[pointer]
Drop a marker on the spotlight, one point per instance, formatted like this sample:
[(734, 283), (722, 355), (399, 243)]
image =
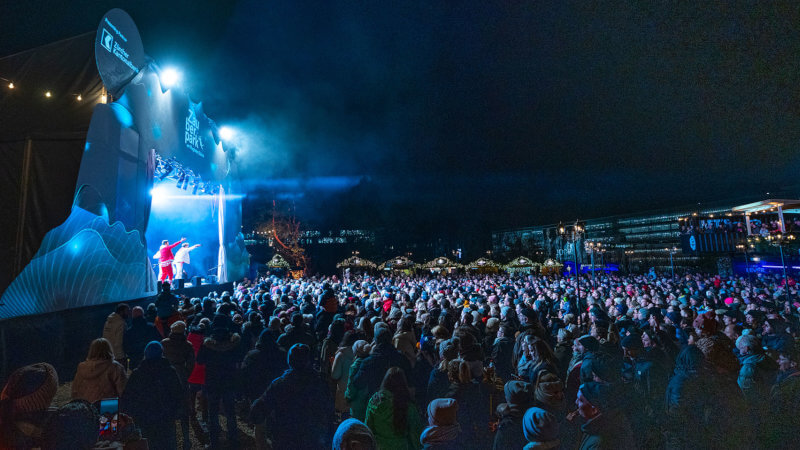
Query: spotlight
[(104, 98), (170, 77), (226, 133), (80, 98), (11, 85), (48, 94)]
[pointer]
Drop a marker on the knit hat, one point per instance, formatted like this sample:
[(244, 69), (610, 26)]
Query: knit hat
[(632, 341), (448, 350), (361, 348), (589, 342), (30, 388), (299, 356), (492, 325), (178, 327), (518, 392), (443, 412), (596, 393), (549, 390), (153, 350), (674, 317), (353, 433), (645, 313), (540, 426), (383, 335), (529, 315)]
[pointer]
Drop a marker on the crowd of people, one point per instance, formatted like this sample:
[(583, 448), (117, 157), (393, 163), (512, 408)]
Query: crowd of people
[(437, 362), (759, 225)]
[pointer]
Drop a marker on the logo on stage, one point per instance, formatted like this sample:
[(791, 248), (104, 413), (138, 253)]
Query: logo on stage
[(107, 40), (692, 243), (192, 134)]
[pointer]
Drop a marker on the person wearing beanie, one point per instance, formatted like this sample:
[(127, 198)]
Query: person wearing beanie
[(299, 334), (755, 376), (540, 429), (383, 356), (155, 398), (438, 381), (774, 337), (327, 307), (529, 326), (353, 434), (297, 406), (357, 398), (604, 427), (24, 405), (179, 352), (785, 399), (137, 336), (220, 353), (519, 397), (99, 376), (443, 431)]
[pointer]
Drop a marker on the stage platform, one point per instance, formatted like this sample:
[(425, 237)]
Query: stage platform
[(62, 338)]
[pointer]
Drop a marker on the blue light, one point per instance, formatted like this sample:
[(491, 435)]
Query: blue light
[(169, 77), (123, 115), (87, 147)]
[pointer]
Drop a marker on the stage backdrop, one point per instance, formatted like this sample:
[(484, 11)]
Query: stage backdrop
[(100, 253)]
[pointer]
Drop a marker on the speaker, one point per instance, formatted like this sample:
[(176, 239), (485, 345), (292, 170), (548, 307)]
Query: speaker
[(212, 279), (178, 283), (197, 281)]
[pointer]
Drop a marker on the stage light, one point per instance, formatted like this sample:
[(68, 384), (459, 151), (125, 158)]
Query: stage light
[(11, 85), (48, 94), (226, 133), (104, 98), (170, 77), (80, 98)]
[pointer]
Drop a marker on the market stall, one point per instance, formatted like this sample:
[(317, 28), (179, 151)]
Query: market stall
[(440, 265), (483, 265), (521, 265)]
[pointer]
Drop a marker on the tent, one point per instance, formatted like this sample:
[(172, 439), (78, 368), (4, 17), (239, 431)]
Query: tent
[(441, 264), (398, 264), (520, 265), (551, 267), (483, 265), (356, 262)]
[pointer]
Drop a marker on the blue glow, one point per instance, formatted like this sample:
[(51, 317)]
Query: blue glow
[(156, 132), (169, 77), (123, 115), (87, 147)]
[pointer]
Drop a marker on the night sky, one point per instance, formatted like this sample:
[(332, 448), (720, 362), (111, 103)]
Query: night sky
[(445, 118)]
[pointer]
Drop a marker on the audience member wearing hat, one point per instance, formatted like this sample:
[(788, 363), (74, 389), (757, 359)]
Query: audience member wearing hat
[(443, 431), (540, 429), (24, 403), (298, 405), (605, 426), (154, 398), (519, 397), (353, 434)]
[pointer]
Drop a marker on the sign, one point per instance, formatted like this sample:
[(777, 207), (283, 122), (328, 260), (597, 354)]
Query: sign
[(692, 243), (118, 50)]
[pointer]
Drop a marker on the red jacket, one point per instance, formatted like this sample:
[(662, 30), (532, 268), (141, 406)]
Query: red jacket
[(165, 255), (198, 375)]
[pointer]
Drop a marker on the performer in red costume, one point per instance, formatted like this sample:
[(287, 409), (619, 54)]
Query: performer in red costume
[(165, 258)]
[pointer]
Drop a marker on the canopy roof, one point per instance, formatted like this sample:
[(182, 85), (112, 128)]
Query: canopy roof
[(481, 263), (440, 263), (399, 262), (551, 263), (521, 262), (277, 262), (788, 206), (355, 261)]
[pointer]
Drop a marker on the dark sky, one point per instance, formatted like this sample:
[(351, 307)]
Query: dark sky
[(445, 117)]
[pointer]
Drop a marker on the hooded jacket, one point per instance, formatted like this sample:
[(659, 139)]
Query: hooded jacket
[(97, 379), (220, 354), (114, 332), (262, 365), (180, 353)]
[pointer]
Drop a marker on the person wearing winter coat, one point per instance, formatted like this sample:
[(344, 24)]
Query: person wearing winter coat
[(785, 399), (220, 355), (540, 429), (473, 403), (297, 335), (439, 381), (328, 351), (251, 330), (114, 331), (154, 398), (605, 427), (99, 376), (404, 339), (297, 405), (755, 377), (137, 337), (686, 397), (353, 434), (340, 371), (356, 397), (391, 414), (519, 397), (383, 356), (266, 362), (443, 431), (197, 379), (179, 352), (502, 353)]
